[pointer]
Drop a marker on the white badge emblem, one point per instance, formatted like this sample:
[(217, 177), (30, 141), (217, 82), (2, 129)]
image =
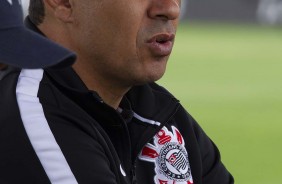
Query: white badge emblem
[(170, 158)]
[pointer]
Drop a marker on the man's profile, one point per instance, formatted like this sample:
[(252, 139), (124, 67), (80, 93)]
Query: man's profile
[(104, 120)]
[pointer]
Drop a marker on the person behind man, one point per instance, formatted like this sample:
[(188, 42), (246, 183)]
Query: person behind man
[(104, 120), (20, 47)]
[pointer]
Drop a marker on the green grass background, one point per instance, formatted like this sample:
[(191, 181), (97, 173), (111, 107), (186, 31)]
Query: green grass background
[(229, 77)]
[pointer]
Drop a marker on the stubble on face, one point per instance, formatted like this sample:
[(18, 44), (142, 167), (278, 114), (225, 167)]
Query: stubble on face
[(111, 36)]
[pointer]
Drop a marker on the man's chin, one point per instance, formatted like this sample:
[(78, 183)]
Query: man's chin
[(149, 79)]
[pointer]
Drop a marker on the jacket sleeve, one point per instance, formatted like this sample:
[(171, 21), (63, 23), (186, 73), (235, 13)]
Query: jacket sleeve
[(205, 156), (213, 170)]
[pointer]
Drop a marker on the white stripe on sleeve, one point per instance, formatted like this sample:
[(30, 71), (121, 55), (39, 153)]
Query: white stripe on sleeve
[(38, 130)]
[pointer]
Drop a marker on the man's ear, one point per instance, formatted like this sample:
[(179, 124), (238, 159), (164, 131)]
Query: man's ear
[(62, 9)]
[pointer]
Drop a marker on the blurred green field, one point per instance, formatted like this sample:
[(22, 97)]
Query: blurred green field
[(229, 78)]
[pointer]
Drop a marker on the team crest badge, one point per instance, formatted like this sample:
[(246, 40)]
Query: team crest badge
[(170, 157)]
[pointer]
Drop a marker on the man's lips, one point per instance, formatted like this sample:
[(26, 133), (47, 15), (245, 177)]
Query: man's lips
[(161, 44)]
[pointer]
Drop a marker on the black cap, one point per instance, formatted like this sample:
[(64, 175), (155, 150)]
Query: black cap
[(23, 48)]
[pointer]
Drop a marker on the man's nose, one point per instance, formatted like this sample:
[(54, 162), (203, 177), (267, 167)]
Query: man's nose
[(164, 9)]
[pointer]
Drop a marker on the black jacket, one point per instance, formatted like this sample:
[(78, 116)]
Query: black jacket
[(54, 130)]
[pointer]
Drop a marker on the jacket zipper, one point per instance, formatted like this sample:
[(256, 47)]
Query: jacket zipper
[(134, 179)]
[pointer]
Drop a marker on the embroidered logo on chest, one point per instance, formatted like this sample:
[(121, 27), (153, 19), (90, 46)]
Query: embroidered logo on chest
[(170, 157)]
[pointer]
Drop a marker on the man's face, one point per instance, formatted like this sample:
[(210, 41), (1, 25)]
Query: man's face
[(128, 41)]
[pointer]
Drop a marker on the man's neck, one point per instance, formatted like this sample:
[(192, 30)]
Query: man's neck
[(110, 92)]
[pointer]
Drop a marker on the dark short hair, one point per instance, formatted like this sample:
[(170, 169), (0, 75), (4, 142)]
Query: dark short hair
[(36, 11)]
